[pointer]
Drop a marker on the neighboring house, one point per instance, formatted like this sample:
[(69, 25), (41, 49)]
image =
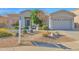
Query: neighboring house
[(8, 20), (12, 19), (63, 20), (76, 19), (3, 21)]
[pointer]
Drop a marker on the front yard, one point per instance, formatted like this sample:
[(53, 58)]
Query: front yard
[(41, 36), (28, 39)]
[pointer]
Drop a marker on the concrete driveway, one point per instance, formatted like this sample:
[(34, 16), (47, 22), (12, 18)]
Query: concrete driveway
[(71, 34), (74, 34)]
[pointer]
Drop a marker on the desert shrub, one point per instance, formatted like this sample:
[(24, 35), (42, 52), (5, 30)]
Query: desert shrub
[(4, 32), (3, 29), (45, 34), (16, 27), (25, 29), (16, 24), (44, 27)]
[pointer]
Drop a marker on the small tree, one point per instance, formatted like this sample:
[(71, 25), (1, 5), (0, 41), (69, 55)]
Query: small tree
[(35, 19)]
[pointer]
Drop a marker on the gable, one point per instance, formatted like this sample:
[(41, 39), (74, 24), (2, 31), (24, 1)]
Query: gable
[(26, 13), (63, 13), (41, 14)]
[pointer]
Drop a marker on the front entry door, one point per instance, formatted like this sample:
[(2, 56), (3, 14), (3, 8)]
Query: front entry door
[(27, 21)]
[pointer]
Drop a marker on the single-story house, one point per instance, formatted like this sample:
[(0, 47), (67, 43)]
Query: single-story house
[(60, 20), (8, 20)]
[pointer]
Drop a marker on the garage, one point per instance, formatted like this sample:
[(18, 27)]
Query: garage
[(61, 20), (61, 24)]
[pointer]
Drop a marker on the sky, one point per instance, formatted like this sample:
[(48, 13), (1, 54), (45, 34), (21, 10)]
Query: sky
[(4, 11)]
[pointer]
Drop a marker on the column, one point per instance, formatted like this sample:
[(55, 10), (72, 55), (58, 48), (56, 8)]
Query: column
[(49, 22), (19, 30)]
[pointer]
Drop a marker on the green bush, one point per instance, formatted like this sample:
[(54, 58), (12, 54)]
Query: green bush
[(16, 27), (25, 29), (44, 27), (45, 34), (5, 34)]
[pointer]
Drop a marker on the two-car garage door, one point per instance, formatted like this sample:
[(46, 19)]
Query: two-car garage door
[(64, 24)]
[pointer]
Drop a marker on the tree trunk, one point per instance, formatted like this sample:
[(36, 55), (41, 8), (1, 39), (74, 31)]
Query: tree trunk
[(30, 28)]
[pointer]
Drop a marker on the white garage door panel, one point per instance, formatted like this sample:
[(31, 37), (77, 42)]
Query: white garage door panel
[(61, 25)]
